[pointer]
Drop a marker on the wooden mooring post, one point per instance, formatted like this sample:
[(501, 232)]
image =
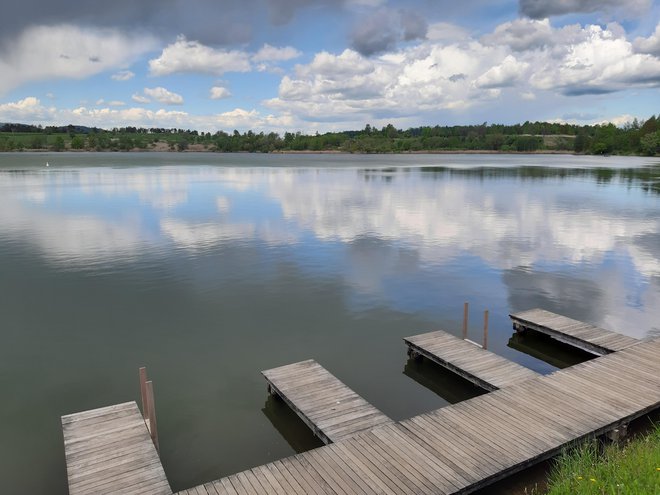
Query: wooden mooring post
[(148, 405), (143, 392), (485, 344)]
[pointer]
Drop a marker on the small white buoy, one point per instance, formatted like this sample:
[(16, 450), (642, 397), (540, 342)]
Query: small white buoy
[(47, 164)]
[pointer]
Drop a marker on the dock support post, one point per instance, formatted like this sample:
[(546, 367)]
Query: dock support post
[(618, 434), (143, 392), (148, 405), (465, 320), (153, 429), (485, 345), (413, 354)]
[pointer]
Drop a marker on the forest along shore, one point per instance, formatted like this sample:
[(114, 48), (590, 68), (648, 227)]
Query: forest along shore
[(635, 138)]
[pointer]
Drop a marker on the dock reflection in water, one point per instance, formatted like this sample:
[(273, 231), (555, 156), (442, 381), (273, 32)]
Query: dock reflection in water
[(441, 381), (547, 349), (289, 425)]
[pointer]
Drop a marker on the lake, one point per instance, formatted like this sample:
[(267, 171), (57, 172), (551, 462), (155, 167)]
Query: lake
[(208, 268)]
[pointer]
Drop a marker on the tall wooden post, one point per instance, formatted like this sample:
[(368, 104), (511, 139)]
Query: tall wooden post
[(143, 392), (153, 429), (485, 345), (465, 320)]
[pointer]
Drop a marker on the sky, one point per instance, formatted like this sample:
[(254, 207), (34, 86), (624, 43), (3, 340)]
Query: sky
[(323, 65)]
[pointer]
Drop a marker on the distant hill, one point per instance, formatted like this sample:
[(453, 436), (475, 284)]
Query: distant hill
[(16, 127)]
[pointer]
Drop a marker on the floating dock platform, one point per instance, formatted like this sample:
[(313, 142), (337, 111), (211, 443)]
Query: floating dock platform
[(468, 360), (331, 409), (467, 446), (585, 336), (109, 450), (459, 448)]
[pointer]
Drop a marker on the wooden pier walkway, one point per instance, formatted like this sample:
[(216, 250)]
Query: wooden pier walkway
[(467, 446), (331, 409), (109, 450), (585, 336), (479, 366)]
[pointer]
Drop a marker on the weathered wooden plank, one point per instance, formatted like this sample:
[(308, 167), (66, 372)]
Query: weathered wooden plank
[(227, 486), (357, 447), (331, 409), (109, 450), (104, 412), (405, 471), (304, 478), (469, 445), (582, 335), (290, 485), (366, 469), (327, 472), (481, 367), (400, 437), (449, 456)]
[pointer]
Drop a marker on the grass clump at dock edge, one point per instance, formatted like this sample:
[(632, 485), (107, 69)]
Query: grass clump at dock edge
[(632, 468)]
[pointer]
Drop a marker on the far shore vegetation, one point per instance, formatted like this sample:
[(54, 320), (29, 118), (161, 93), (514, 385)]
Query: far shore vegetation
[(635, 138)]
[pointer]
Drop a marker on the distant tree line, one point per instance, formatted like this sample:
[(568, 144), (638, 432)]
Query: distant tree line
[(635, 138)]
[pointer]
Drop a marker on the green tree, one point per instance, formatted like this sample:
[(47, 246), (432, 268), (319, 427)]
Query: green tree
[(78, 143), (37, 142), (126, 142), (581, 143), (650, 126), (390, 131), (528, 143), (650, 143), (58, 144), (494, 141)]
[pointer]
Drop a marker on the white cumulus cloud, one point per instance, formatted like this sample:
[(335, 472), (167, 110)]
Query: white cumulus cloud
[(27, 109), (192, 56), (138, 98), (596, 60), (442, 75), (268, 53), (502, 75), (522, 34), (164, 96), (31, 109), (650, 45), (219, 92), (111, 103), (238, 118)]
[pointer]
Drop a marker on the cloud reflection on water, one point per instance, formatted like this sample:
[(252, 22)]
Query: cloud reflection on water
[(563, 236)]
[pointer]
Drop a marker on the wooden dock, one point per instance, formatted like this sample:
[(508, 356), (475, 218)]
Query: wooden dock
[(479, 366), (331, 409), (585, 336), (467, 446), (109, 450)]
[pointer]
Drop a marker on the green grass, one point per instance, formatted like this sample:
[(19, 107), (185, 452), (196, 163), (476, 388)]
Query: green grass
[(631, 469), (26, 138)]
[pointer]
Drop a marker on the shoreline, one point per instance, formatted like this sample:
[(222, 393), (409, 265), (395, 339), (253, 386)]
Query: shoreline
[(426, 152), (194, 149), (317, 152)]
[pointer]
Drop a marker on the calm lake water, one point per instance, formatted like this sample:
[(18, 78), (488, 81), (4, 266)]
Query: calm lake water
[(209, 268)]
